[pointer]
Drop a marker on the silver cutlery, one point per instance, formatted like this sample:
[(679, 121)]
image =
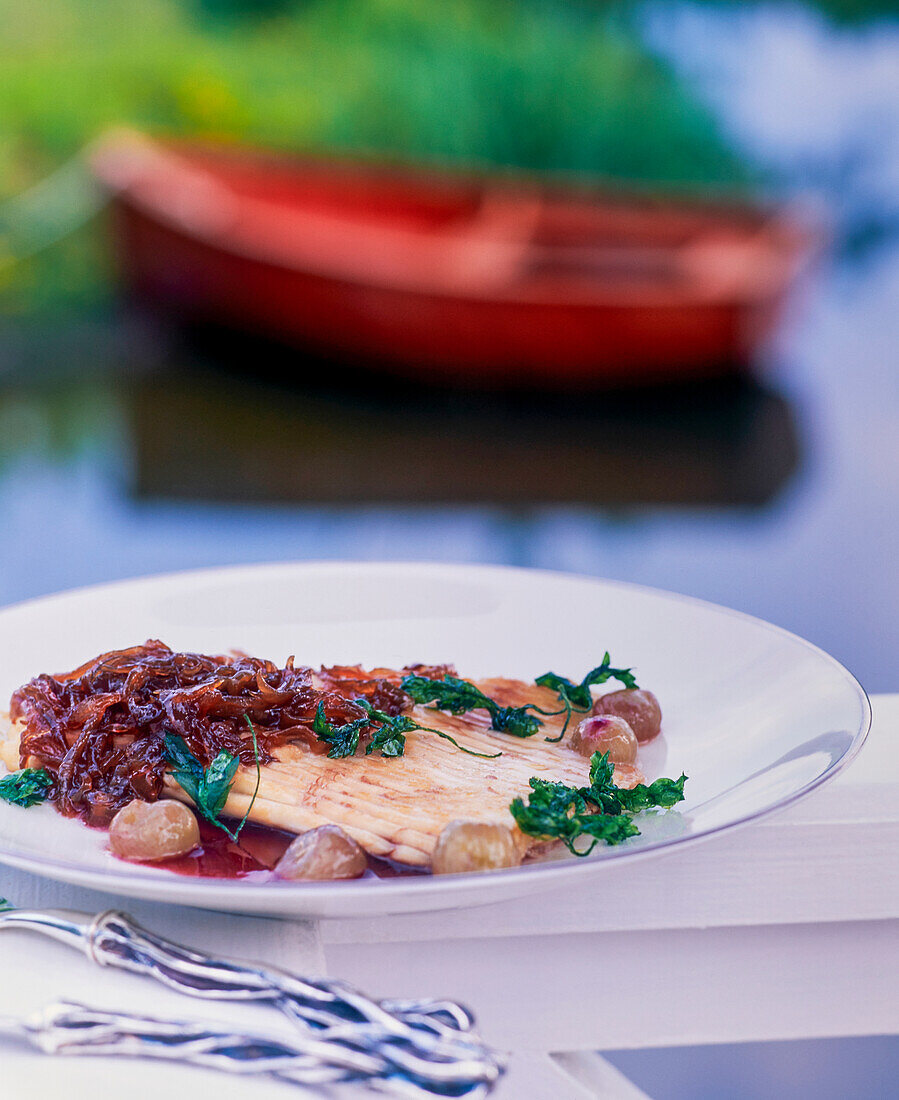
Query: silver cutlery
[(408, 1048)]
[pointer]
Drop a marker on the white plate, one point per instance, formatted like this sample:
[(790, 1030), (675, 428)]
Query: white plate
[(755, 716)]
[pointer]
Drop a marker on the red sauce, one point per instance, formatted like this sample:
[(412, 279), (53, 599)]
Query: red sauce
[(255, 855)]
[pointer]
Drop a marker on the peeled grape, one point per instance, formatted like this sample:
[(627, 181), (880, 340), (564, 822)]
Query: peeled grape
[(639, 708), (474, 846), (606, 733), (150, 831), (322, 854)]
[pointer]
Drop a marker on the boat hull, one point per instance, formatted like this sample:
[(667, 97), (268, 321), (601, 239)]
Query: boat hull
[(490, 331)]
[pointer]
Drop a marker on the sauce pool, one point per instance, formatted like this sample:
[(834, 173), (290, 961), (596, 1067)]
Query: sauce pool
[(254, 856)]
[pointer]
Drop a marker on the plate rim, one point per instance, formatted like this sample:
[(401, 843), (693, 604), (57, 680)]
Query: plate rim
[(199, 891)]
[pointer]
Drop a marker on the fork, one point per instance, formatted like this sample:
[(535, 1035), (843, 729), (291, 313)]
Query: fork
[(409, 1047)]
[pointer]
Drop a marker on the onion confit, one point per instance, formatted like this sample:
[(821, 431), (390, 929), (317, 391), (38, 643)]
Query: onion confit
[(99, 730)]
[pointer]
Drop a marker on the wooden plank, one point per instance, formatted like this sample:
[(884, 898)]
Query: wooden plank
[(574, 1076), (537, 1076), (605, 1081), (616, 990)]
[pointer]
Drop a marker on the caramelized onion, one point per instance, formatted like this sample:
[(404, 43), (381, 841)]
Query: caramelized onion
[(100, 729)]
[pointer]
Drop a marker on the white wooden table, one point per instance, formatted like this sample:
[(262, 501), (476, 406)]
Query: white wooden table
[(781, 930)]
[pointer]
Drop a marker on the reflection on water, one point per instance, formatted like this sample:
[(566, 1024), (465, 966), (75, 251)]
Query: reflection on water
[(310, 432), (205, 422)]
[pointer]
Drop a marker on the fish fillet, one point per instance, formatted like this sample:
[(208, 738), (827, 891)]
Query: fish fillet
[(396, 807)]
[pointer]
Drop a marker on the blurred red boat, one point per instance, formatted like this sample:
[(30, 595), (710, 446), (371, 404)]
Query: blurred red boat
[(483, 280)]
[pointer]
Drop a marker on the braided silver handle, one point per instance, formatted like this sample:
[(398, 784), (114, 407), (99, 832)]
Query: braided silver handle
[(426, 1046), (68, 1028)]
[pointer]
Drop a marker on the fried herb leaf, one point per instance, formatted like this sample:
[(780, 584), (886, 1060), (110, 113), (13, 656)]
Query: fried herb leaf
[(611, 829), (458, 696), (577, 696), (389, 738), (344, 740), (515, 720), (549, 810), (601, 811), (450, 694), (663, 793), (208, 788), (178, 754), (188, 771), (27, 787), (560, 812), (602, 791), (218, 780), (243, 820)]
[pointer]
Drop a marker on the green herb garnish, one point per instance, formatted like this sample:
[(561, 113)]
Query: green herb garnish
[(243, 820), (388, 738), (559, 812), (344, 740), (663, 794), (209, 788), (458, 696), (577, 696), (27, 787)]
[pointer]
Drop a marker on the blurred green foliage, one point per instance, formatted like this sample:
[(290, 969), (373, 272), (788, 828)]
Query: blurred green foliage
[(554, 85), (537, 84), (549, 85)]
